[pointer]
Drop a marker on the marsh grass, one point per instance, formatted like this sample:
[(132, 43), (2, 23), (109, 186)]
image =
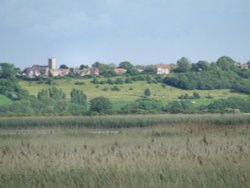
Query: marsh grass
[(125, 121), (170, 155)]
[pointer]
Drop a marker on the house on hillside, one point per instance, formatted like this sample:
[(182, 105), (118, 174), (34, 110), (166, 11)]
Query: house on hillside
[(86, 71), (36, 71), (94, 71), (59, 72), (162, 69), (120, 71), (245, 65), (139, 68)]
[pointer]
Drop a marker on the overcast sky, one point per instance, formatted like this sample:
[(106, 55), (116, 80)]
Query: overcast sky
[(110, 31)]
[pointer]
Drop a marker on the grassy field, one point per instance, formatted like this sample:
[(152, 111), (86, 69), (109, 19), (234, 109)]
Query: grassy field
[(4, 100), (129, 92), (167, 155)]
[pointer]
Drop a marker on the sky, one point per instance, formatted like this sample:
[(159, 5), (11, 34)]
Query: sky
[(111, 31)]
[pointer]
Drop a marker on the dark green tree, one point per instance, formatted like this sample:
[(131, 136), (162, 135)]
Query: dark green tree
[(84, 67), (105, 70), (129, 67), (126, 65), (147, 92), (119, 81), (8, 82), (8, 71), (226, 63), (100, 105), (196, 95), (53, 93), (183, 65), (78, 97), (201, 66), (150, 69), (63, 67)]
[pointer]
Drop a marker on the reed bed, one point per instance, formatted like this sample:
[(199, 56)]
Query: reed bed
[(125, 121), (171, 155)]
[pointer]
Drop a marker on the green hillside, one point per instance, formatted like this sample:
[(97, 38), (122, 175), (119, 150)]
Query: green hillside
[(4, 100), (128, 92)]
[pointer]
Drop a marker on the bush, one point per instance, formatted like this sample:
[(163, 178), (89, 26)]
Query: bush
[(144, 105), (115, 88), (79, 83), (186, 96), (100, 105), (147, 92), (180, 107), (119, 81), (128, 81), (242, 86), (233, 103), (53, 92)]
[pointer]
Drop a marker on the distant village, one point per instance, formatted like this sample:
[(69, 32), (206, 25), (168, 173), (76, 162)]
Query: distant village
[(51, 70)]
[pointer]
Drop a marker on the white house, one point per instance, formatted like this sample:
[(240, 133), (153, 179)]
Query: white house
[(162, 69)]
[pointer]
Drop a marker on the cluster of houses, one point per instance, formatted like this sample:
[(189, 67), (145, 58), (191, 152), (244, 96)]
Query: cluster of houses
[(51, 70), (245, 65)]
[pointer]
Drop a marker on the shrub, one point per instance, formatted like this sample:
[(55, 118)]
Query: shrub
[(119, 81), (115, 88), (147, 92), (79, 83), (180, 107), (100, 105), (144, 105), (78, 97), (233, 103)]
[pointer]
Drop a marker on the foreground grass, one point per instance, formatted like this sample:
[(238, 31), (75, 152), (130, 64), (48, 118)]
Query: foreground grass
[(168, 155)]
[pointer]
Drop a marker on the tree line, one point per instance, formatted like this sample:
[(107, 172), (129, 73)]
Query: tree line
[(225, 73), (52, 101)]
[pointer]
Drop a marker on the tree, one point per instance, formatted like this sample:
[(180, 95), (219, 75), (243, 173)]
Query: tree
[(96, 65), (180, 107), (63, 67), (144, 104), (183, 65), (196, 95), (150, 69), (84, 67), (78, 97), (119, 81), (128, 66), (147, 92), (105, 70), (226, 63), (8, 71), (100, 105), (53, 93), (8, 82), (201, 66)]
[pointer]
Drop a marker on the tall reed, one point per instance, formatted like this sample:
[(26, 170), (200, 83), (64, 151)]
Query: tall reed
[(125, 121)]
